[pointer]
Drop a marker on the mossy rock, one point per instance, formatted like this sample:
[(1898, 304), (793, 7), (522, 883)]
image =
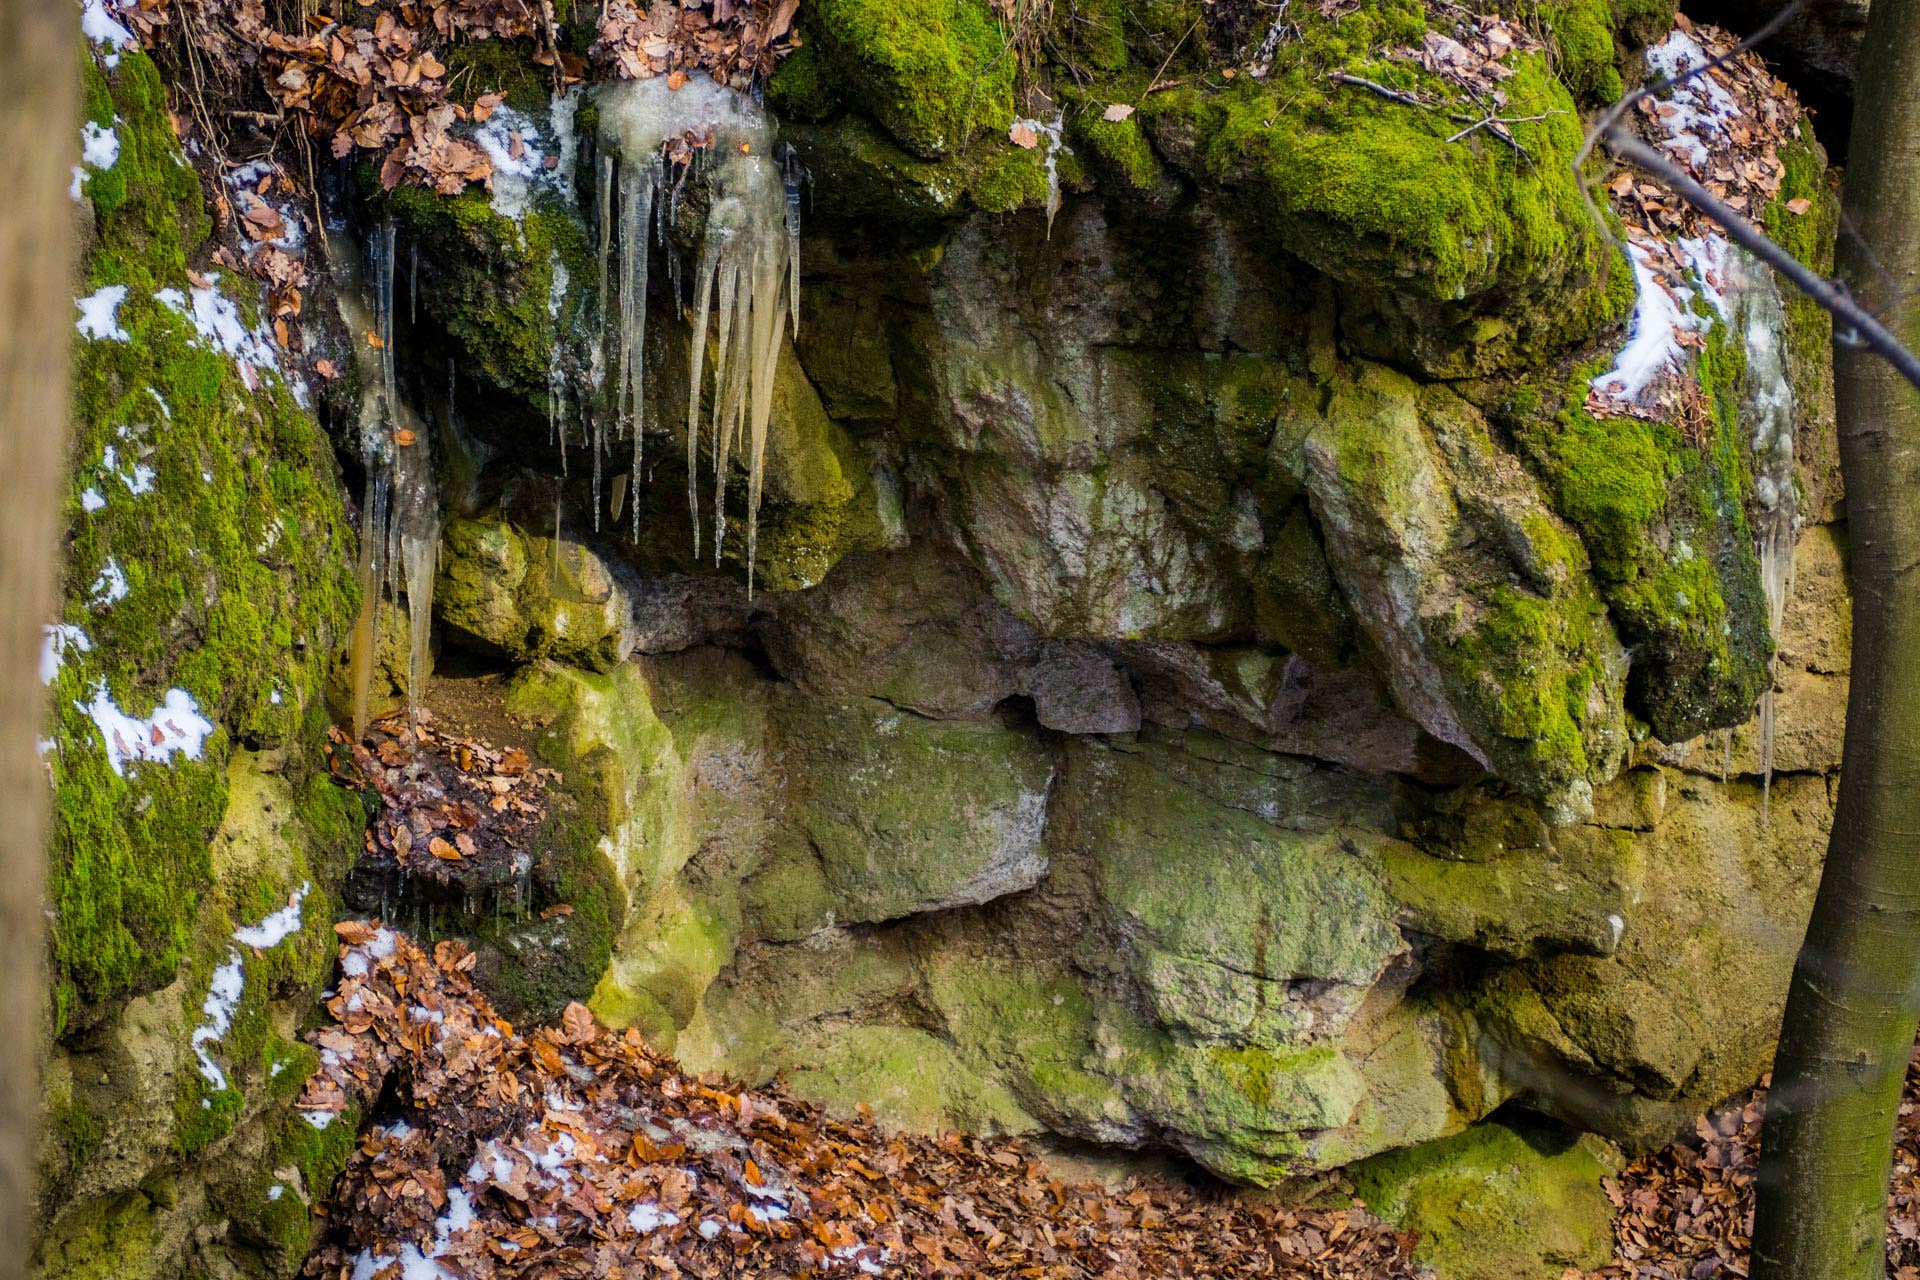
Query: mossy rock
[(526, 597), (1663, 522), (932, 71), (1226, 912), (1517, 1200), (207, 551), (1463, 257), (908, 814)]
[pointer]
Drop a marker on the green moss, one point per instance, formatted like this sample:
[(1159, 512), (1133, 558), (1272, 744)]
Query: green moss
[(488, 279), (1585, 59), (1543, 709), (802, 88), (1664, 523), (236, 558), (931, 71), (1496, 1202)]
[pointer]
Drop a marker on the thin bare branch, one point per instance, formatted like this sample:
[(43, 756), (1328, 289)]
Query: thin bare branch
[(1855, 324), (1496, 125)]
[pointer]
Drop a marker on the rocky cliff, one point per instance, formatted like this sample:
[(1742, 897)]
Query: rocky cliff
[(1227, 671)]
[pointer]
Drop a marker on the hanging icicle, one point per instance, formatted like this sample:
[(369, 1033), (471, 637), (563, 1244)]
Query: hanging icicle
[(400, 515), (747, 273)]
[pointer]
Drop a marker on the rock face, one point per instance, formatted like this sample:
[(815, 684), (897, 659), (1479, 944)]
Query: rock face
[(1241, 699), (1212, 683), (197, 847)]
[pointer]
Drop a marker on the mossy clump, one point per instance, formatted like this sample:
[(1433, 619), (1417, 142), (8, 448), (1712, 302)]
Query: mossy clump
[(1496, 1202), (207, 551), (489, 280), (932, 72), (1663, 521), (1450, 233)]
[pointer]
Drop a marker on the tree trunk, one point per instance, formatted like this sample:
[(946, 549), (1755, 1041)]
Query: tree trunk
[(39, 100), (1827, 1145)]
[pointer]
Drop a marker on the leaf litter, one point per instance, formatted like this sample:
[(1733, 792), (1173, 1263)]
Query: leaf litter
[(1686, 1212), (574, 1151)]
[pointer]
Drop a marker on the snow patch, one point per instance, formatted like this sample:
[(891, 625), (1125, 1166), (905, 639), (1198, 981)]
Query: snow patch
[(98, 318), (110, 587), (61, 636), (98, 24), (175, 725), (276, 928), (1652, 343), (99, 145), (217, 320)]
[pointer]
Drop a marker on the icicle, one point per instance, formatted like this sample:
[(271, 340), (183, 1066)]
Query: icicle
[(413, 281), (703, 286), (790, 171), (747, 269), (639, 182), (1055, 145), (365, 625)]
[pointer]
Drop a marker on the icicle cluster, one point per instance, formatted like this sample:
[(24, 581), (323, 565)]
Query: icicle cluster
[(746, 281), (400, 513)]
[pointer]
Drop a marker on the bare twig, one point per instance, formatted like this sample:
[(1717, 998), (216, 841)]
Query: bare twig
[(1164, 62), (1391, 95), (1496, 125), (1856, 326)]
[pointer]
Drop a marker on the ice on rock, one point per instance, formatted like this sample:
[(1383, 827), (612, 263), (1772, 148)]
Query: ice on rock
[(745, 282), (1653, 345)]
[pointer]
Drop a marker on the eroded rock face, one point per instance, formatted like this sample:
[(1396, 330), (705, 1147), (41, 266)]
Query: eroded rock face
[(1205, 688), (1228, 740)]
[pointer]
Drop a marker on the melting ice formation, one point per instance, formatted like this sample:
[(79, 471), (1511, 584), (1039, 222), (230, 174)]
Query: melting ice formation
[(1741, 292), (229, 981), (746, 280)]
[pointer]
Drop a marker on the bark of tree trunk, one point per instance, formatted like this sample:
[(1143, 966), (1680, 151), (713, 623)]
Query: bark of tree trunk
[(39, 100), (1827, 1143)]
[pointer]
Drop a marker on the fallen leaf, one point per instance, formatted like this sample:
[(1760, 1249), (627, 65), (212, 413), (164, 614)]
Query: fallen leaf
[(1112, 115), (1022, 135)]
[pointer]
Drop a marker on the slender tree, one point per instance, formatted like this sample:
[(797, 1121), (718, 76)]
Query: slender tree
[(39, 101), (1827, 1145)]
